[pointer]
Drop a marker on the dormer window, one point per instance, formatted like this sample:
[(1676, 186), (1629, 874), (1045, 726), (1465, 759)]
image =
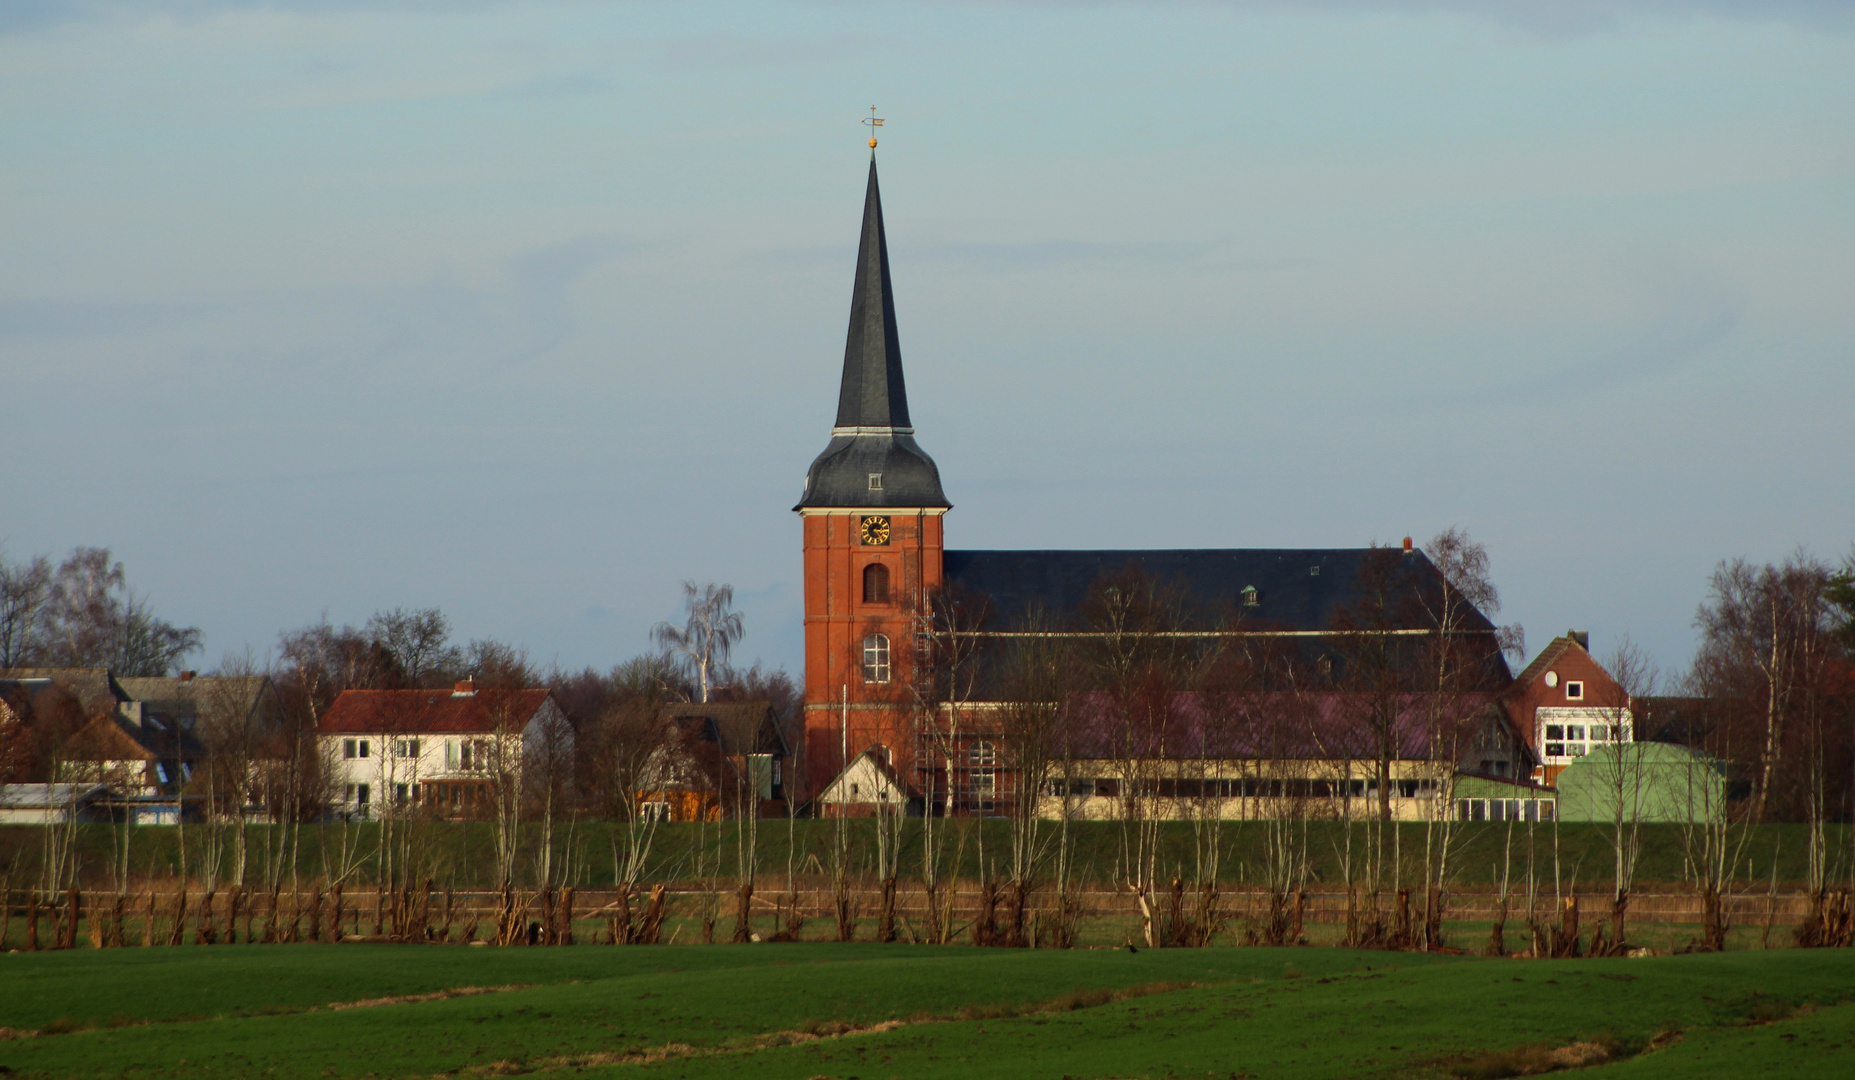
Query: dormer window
[(875, 481), (1313, 571), (1249, 596)]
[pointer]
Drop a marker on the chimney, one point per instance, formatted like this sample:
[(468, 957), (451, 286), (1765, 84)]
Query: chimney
[(186, 676), (1407, 543), (1582, 637), (464, 688)]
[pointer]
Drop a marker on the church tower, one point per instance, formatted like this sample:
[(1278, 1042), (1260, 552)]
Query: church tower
[(872, 535)]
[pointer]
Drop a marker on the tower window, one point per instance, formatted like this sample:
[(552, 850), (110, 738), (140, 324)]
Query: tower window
[(875, 481), (876, 658), (875, 584)]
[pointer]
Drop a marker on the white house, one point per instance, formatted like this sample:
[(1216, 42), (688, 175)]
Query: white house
[(867, 783), (449, 751)]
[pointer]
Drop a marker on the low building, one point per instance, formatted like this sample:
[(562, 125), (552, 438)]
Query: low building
[(1500, 798), (1269, 756), (448, 752), (1643, 782), (53, 804), (867, 785), (719, 759)]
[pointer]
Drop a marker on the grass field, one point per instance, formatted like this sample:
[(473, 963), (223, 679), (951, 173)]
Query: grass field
[(873, 1012)]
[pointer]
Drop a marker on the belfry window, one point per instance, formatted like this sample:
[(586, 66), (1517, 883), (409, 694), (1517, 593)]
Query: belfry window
[(875, 584), (1249, 596), (875, 481), (876, 658)]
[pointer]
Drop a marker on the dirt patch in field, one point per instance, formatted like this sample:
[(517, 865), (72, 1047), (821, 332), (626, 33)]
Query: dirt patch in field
[(435, 995), (820, 1031)]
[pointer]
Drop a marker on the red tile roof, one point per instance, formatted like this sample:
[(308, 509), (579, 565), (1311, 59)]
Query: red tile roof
[(431, 711)]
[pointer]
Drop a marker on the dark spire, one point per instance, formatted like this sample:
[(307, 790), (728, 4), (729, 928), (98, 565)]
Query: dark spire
[(872, 395), (872, 460)]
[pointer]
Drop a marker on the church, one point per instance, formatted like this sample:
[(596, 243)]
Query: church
[(878, 572)]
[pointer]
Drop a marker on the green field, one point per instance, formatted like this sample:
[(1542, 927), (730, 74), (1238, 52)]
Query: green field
[(873, 1012)]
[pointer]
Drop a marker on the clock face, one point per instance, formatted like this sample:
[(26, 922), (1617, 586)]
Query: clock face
[(875, 529)]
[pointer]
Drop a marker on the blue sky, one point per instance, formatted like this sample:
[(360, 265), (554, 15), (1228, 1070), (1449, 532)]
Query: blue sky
[(530, 310)]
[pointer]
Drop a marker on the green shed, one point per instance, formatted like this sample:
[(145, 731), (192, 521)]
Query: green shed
[(1646, 781)]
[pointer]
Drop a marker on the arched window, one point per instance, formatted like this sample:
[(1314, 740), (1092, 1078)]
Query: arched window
[(876, 659), (875, 584), (982, 753)]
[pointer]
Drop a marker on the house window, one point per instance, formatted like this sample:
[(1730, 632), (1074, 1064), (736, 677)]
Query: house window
[(875, 584), (362, 794), (875, 481), (1600, 732), (982, 783), (1555, 731), (406, 748), (982, 753), (1574, 691), (876, 659), (1249, 596), (348, 749), (399, 793), (364, 748)]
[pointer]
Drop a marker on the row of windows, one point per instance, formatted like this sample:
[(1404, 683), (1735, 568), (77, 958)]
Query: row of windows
[(465, 754), (1111, 788), (1505, 809)]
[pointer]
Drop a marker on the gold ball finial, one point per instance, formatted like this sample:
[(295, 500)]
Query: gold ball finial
[(873, 122), (872, 144)]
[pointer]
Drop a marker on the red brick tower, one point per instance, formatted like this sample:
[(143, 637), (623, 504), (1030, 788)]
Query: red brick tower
[(872, 522)]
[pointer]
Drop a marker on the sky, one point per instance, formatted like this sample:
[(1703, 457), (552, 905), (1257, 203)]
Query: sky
[(530, 311)]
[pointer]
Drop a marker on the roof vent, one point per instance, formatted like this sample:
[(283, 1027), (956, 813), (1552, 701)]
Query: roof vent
[(1249, 596), (1582, 637), (464, 688)]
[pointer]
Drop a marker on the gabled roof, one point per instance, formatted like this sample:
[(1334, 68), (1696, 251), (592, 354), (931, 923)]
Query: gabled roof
[(872, 459), (104, 739), (431, 712), (1329, 725), (736, 727), (188, 696), (1297, 589), (1547, 657), (873, 761), (94, 687)]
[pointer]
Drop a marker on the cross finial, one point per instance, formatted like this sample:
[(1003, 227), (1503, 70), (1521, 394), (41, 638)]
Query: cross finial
[(874, 122)]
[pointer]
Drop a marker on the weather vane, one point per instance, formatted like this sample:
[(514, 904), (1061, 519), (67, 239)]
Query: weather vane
[(874, 122)]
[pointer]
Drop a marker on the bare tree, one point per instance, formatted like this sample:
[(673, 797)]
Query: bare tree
[(707, 635), (1622, 781), (417, 642), (25, 600)]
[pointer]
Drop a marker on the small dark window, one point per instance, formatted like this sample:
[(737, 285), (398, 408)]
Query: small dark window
[(1555, 731), (1249, 596), (1313, 571), (1574, 691), (875, 584)]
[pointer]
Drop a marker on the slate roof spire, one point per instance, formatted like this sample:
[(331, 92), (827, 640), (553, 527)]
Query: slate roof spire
[(872, 460), (873, 394)]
